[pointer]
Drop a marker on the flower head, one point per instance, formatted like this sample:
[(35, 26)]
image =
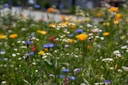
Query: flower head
[(6, 5), (3, 36), (65, 70), (113, 9), (106, 81), (70, 40), (78, 31), (41, 32), (13, 36), (106, 34), (37, 6), (48, 45), (72, 78), (82, 37), (50, 10), (41, 52)]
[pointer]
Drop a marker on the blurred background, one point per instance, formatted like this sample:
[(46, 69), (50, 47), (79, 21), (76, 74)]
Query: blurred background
[(62, 5)]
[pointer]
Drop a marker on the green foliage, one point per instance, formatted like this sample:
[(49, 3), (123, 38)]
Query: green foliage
[(51, 53)]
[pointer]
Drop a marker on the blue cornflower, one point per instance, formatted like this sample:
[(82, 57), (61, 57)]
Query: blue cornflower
[(61, 76), (19, 7), (48, 45), (71, 35), (106, 81), (31, 53), (6, 5), (78, 31), (65, 70), (37, 6), (27, 42), (32, 35), (72, 78)]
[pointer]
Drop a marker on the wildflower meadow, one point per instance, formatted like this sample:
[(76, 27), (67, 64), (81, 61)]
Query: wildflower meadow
[(88, 51)]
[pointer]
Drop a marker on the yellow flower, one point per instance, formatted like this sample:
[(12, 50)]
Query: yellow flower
[(106, 23), (70, 40), (42, 32), (99, 14), (87, 19), (116, 66), (116, 21), (3, 36), (72, 25), (52, 25), (113, 9), (41, 52), (82, 37), (45, 49), (13, 36), (106, 33), (63, 18)]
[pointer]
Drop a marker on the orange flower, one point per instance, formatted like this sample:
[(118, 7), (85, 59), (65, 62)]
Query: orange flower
[(70, 40), (63, 18), (106, 33), (82, 37), (13, 36), (118, 16), (50, 10), (89, 46), (113, 9)]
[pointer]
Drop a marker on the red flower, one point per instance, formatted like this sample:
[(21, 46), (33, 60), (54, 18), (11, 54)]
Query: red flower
[(33, 48), (51, 38)]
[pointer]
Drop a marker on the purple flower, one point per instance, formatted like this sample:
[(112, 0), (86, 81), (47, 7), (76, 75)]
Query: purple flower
[(37, 6), (48, 45), (71, 35), (78, 31), (76, 70), (106, 81), (31, 35), (65, 70), (72, 78), (19, 7), (6, 5)]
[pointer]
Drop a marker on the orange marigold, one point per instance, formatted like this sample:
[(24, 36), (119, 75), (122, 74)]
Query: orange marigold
[(50, 10), (63, 18), (106, 33), (13, 36), (82, 37), (70, 40), (113, 9), (118, 16)]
